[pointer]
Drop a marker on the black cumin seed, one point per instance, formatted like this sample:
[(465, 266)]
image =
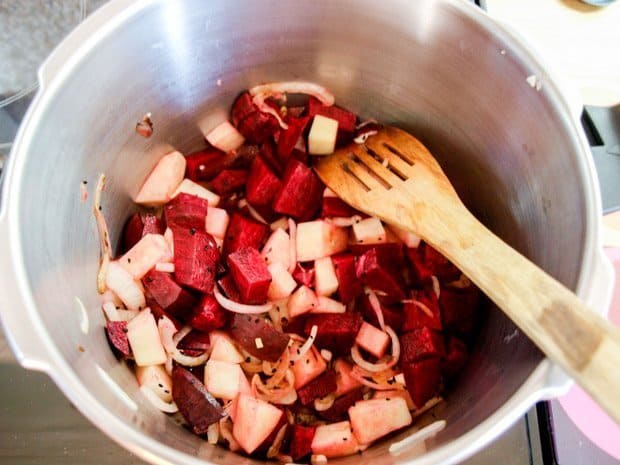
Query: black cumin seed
[(248, 360), (160, 385), (192, 231)]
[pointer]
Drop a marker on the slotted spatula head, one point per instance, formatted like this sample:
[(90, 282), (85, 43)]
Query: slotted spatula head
[(392, 176)]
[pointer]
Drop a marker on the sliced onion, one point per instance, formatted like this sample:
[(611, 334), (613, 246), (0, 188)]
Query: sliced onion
[(166, 332), (436, 286), (168, 407), (165, 267), (280, 223), (379, 366), (430, 403), (255, 365), (279, 374), (115, 314), (274, 89), (274, 449), (420, 305), (292, 232), (324, 403), (283, 394), (462, 283), (306, 345), (361, 377), (180, 334), (376, 306), (226, 433), (253, 213), (105, 248), (344, 221), (363, 137), (213, 433), (236, 307)]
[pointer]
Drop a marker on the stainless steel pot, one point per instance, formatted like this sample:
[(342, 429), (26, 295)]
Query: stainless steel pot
[(441, 69)]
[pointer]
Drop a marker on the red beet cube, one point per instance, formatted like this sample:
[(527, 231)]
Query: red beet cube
[(250, 274), (255, 125), (206, 164), (198, 407), (158, 312), (439, 265), (262, 184), (459, 307), (417, 316), (242, 107), (207, 315), (246, 329), (301, 191), (268, 152), (346, 119), (288, 138), (380, 272), (420, 344), (152, 225), (230, 289), (389, 251), (301, 440), (229, 181), (336, 331), (393, 317), (455, 359), (132, 232), (186, 211), (117, 335), (334, 207), (420, 272), (244, 232), (423, 380), (196, 259), (168, 294), (318, 387), (304, 276), (340, 407), (349, 287), (196, 341)]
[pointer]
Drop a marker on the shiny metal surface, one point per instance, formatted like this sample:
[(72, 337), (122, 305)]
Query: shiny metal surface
[(440, 69)]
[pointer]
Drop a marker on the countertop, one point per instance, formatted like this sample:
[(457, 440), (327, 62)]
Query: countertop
[(38, 424)]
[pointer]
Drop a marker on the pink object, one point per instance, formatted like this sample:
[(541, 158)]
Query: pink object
[(595, 424)]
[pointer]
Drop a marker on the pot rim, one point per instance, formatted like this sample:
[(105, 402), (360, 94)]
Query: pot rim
[(594, 285)]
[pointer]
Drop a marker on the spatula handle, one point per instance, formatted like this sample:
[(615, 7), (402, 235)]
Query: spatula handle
[(565, 329)]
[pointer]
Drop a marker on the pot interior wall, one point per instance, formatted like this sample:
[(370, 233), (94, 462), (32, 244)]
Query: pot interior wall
[(418, 65)]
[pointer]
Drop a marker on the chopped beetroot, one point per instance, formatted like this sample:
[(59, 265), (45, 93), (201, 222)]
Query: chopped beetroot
[(416, 314), (389, 251), (459, 307), (242, 108), (304, 276), (255, 125), (301, 441), (300, 155), (132, 231), (152, 224), (349, 287), (288, 138), (393, 317), (420, 344), (186, 211), (346, 119), (244, 232), (250, 273), (205, 164), (381, 273), (336, 331), (196, 258), (338, 410), (262, 184), (268, 152), (168, 294), (247, 330), (229, 181), (158, 312), (230, 289), (198, 407), (420, 272), (207, 315), (117, 335), (334, 207), (318, 387), (455, 359), (195, 341), (423, 380), (301, 191), (439, 265)]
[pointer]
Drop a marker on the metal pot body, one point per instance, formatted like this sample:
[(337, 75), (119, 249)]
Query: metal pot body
[(440, 69)]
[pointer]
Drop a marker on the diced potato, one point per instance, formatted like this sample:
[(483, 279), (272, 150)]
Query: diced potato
[(334, 440), (143, 256), (163, 180), (327, 305), (223, 349), (156, 378), (325, 280), (369, 231), (144, 340), (410, 239), (255, 419), (302, 301), (318, 239), (372, 340), (225, 380), (322, 136), (374, 418), (277, 249), (224, 136), (122, 283), (282, 283), (217, 221)]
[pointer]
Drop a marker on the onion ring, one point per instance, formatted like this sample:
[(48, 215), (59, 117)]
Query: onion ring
[(237, 307)]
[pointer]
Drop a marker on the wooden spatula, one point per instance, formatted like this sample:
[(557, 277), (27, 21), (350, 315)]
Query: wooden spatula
[(394, 177)]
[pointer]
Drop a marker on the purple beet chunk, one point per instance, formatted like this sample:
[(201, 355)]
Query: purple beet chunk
[(206, 164), (196, 258), (340, 407), (262, 184), (152, 225), (244, 232), (301, 440), (304, 276), (393, 317), (117, 335), (245, 329), (417, 317), (349, 287), (230, 289), (250, 273), (207, 315), (198, 407), (186, 211), (132, 232), (318, 387), (168, 294), (423, 379), (334, 207), (195, 341), (455, 359), (420, 344), (459, 307), (336, 331), (229, 181), (378, 272), (301, 191)]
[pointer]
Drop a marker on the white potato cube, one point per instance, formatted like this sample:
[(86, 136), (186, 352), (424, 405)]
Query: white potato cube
[(322, 136), (217, 221), (282, 283), (277, 249), (325, 280), (224, 137), (163, 180), (369, 231), (144, 340), (318, 239)]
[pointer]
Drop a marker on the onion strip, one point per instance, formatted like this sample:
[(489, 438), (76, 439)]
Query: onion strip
[(158, 403), (166, 332), (306, 345), (226, 433), (324, 403), (237, 307), (378, 386), (274, 449), (380, 366), (436, 286), (294, 87), (105, 248), (213, 433), (292, 232), (376, 306)]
